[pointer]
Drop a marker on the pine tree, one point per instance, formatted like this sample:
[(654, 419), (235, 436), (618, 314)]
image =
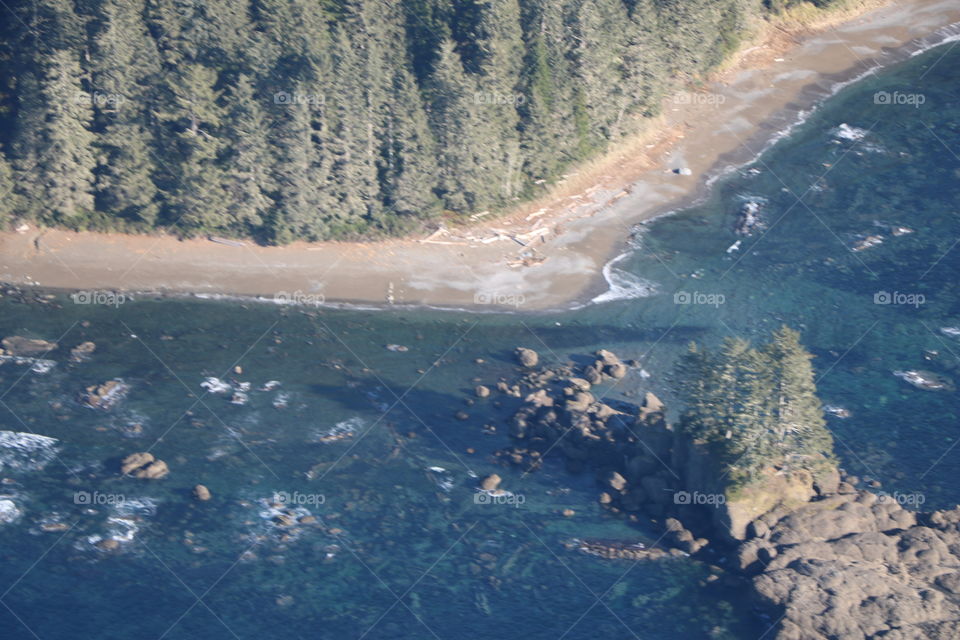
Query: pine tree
[(464, 144), (409, 165), (9, 198), (246, 174), (301, 175), (53, 144), (198, 202), (123, 55), (798, 426), (759, 406)]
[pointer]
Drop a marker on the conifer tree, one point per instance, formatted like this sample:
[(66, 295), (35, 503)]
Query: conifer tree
[(759, 406), (122, 61), (53, 144)]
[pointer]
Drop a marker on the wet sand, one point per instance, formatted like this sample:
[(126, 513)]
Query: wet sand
[(548, 254)]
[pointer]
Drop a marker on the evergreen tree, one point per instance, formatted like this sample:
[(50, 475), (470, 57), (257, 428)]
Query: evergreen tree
[(759, 406), (122, 57), (798, 424), (409, 165), (246, 175), (464, 145), (9, 198), (53, 144)]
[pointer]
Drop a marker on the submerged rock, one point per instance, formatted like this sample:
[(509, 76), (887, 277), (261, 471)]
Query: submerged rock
[(749, 218), (82, 351), (106, 395), (21, 346), (926, 380)]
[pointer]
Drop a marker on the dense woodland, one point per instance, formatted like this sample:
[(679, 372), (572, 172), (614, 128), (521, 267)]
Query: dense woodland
[(318, 119), (757, 406)]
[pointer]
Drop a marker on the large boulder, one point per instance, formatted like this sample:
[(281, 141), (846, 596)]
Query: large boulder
[(491, 482), (144, 465), (527, 357)]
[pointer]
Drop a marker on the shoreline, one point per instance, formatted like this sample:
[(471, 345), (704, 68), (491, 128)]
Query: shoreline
[(549, 259)]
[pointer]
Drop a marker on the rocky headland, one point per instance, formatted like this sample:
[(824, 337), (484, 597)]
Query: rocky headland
[(823, 558)]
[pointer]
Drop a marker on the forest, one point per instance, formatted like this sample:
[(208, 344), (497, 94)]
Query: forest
[(282, 120)]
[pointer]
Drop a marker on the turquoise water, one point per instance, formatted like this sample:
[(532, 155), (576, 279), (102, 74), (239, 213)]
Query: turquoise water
[(400, 548)]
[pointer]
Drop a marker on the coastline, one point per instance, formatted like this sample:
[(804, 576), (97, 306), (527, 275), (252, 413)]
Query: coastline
[(571, 243)]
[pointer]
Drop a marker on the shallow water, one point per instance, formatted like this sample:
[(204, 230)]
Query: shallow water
[(363, 438)]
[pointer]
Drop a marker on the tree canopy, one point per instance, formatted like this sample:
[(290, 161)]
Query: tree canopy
[(758, 406)]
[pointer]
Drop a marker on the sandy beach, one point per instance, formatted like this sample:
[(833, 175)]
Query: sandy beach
[(548, 254)]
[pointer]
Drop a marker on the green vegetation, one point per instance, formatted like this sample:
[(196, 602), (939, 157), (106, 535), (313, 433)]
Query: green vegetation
[(758, 407), (318, 119)]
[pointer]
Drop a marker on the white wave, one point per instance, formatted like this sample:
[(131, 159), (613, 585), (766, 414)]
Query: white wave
[(9, 511), (26, 451), (623, 285), (345, 429), (39, 366), (443, 478), (952, 332), (216, 385), (846, 132)]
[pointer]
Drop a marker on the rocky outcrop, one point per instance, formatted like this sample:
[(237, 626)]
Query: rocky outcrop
[(144, 465), (21, 346), (855, 566)]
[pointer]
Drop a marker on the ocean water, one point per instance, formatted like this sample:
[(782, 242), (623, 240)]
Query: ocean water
[(324, 423)]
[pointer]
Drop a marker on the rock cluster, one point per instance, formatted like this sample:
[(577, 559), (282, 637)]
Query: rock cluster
[(144, 465)]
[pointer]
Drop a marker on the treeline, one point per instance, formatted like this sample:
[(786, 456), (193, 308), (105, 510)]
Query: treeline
[(757, 406), (319, 119)]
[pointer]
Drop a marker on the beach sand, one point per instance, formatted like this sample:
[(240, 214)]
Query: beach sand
[(548, 254)]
